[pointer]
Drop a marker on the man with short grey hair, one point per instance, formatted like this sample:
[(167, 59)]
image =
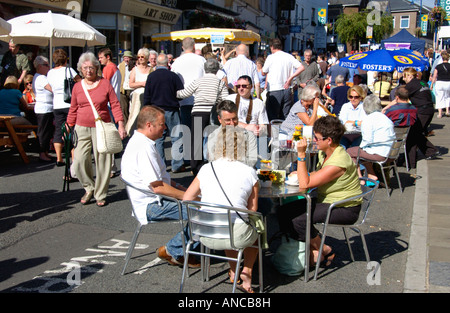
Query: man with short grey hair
[(338, 95), (152, 60), (311, 73)]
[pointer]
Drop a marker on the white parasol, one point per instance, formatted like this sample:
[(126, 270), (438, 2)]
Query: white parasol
[(5, 27), (52, 29)]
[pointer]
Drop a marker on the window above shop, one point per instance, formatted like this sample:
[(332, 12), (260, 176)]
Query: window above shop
[(404, 21)]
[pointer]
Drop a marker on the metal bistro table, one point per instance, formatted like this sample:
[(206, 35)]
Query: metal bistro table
[(282, 191)]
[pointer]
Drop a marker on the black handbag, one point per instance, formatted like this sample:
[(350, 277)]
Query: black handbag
[(69, 82)]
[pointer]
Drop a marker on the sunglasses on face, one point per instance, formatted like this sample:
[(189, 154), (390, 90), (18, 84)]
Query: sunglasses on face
[(141, 57), (319, 139), (29, 83), (242, 86), (354, 97)]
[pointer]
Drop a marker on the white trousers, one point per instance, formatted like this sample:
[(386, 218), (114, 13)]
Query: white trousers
[(442, 93)]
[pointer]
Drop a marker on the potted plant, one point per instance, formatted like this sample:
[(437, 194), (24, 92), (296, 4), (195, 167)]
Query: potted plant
[(266, 178)]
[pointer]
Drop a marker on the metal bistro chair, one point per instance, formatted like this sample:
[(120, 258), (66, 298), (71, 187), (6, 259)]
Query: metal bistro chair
[(214, 225), (140, 225), (367, 196), (403, 132), (390, 161)]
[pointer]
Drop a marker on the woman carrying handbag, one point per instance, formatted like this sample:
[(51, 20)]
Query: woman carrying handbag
[(81, 115)]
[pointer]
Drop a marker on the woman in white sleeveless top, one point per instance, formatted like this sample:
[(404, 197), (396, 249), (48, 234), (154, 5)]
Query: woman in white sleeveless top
[(139, 73)]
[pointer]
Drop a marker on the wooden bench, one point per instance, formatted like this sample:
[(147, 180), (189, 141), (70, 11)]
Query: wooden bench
[(13, 135)]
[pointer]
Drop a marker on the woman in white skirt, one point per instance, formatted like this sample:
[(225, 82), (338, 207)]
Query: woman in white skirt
[(441, 85)]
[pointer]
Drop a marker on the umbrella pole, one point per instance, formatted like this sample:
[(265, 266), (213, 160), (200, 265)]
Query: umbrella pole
[(50, 59)]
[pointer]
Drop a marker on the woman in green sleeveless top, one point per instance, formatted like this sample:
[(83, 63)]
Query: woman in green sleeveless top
[(336, 178)]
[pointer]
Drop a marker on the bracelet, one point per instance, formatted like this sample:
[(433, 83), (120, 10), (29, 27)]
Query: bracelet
[(301, 159)]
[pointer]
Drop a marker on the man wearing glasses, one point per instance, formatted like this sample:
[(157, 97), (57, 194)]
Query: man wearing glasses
[(228, 117)]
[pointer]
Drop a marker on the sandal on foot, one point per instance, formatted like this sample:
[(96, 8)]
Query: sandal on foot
[(101, 203), (246, 290), (239, 281), (326, 261), (87, 197)]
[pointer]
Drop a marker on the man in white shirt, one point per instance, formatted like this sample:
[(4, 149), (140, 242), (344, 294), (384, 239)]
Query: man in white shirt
[(189, 66), (283, 68), (143, 167), (252, 113), (239, 66)]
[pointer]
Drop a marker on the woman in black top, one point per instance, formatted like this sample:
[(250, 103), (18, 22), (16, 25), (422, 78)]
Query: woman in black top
[(441, 84), (420, 97)]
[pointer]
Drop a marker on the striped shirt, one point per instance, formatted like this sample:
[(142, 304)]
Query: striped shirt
[(206, 92)]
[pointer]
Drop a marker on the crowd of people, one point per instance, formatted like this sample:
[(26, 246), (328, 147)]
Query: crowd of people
[(152, 96)]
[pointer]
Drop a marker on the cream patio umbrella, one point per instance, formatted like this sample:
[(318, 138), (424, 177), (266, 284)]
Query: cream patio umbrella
[(52, 29), (5, 27), (210, 34)]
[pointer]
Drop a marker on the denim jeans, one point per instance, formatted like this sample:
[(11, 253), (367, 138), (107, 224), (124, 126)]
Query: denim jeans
[(172, 120), (168, 210)]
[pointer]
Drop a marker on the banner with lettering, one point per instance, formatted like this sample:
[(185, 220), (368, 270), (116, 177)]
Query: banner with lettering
[(445, 4), (424, 24), (322, 16)]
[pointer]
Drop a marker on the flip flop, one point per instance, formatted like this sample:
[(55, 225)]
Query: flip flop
[(246, 290), (326, 262), (232, 281)]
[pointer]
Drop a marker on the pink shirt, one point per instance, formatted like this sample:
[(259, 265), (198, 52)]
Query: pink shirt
[(80, 112)]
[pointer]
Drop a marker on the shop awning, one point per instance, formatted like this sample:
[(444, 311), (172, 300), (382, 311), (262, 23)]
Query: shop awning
[(205, 34)]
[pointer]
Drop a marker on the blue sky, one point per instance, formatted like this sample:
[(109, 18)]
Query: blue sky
[(428, 3)]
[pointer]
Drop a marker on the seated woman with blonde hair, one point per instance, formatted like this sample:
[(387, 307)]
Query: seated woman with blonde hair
[(240, 183), (13, 102)]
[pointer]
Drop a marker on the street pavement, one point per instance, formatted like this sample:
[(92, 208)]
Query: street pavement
[(51, 243)]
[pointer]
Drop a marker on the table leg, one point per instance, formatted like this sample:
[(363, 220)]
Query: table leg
[(16, 141), (308, 235)]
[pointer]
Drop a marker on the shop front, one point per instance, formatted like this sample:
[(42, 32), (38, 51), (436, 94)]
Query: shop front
[(129, 24)]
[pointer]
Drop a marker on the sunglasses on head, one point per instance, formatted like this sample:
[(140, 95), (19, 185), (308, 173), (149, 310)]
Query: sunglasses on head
[(242, 86)]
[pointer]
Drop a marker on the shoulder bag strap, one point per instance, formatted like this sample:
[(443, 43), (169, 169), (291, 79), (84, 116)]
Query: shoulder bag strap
[(220, 185), (70, 73), (94, 110)]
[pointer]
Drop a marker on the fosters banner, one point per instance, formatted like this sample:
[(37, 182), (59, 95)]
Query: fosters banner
[(384, 61)]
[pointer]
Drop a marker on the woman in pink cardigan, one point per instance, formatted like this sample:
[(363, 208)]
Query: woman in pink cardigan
[(81, 116)]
